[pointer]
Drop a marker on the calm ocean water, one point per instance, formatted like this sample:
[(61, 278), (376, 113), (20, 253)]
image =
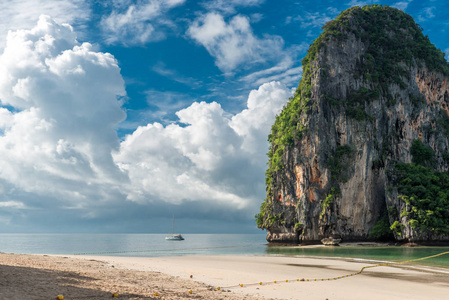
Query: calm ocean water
[(150, 245), (133, 244)]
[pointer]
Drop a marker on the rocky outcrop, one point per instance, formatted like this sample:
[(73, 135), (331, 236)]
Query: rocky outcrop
[(330, 241), (360, 106)]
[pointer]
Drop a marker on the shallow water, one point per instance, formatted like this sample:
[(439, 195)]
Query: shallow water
[(378, 253)]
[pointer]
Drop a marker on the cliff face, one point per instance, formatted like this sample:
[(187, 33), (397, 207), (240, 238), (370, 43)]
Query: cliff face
[(374, 94)]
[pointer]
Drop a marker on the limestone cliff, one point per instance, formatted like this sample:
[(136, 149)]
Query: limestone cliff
[(370, 112)]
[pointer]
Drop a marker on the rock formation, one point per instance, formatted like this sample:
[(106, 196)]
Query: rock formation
[(362, 148)]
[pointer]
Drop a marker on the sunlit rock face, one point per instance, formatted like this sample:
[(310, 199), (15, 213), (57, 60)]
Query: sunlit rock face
[(372, 86)]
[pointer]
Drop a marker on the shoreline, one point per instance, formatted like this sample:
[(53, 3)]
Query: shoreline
[(97, 277), (369, 261)]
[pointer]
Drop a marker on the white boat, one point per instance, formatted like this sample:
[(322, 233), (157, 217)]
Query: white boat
[(174, 237)]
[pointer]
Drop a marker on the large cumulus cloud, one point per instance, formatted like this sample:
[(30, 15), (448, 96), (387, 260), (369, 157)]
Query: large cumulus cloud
[(210, 155), (60, 113)]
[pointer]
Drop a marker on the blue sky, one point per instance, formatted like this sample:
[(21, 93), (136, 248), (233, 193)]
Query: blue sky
[(115, 115)]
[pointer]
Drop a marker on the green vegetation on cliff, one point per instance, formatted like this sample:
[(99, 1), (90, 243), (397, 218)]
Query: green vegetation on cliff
[(424, 191), (426, 195), (382, 230), (421, 154), (391, 36), (393, 43), (354, 103)]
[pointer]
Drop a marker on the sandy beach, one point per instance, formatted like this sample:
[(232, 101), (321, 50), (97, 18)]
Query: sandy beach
[(98, 277)]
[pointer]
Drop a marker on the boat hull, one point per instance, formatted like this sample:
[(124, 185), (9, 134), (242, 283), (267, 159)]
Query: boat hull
[(177, 237)]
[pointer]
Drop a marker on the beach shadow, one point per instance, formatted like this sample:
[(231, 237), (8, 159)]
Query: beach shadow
[(311, 266), (423, 277), (36, 284)]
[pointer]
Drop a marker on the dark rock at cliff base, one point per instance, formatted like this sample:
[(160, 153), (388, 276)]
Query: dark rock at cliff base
[(330, 241), (362, 149), (282, 237)]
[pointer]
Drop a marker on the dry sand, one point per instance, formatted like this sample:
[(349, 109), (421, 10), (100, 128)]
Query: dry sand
[(39, 277), (97, 277)]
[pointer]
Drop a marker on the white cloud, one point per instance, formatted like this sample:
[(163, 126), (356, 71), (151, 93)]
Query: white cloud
[(12, 204), (286, 70), (58, 140), (402, 5), (228, 6), (233, 44), (315, 19), (171, 74), (254, 123), (447, 54), (19, 14), (138, 22), (211, 156), (289, 77), (167, 102), (61, 106), (427, 13), (256, 17), (362, 2)]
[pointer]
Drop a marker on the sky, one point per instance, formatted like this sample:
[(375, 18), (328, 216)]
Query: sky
[(117, 115)]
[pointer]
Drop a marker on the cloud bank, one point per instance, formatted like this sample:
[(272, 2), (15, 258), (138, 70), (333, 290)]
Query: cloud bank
[(59, 150)]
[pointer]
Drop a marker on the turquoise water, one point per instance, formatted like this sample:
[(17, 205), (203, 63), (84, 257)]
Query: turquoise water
[(378, 253), (150, 245)]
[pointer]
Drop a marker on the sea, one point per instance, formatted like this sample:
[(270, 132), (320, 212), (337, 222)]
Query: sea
[(155, 245)]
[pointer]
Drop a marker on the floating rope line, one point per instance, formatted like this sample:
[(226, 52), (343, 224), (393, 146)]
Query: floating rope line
[(243, 285), (331, 278)]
